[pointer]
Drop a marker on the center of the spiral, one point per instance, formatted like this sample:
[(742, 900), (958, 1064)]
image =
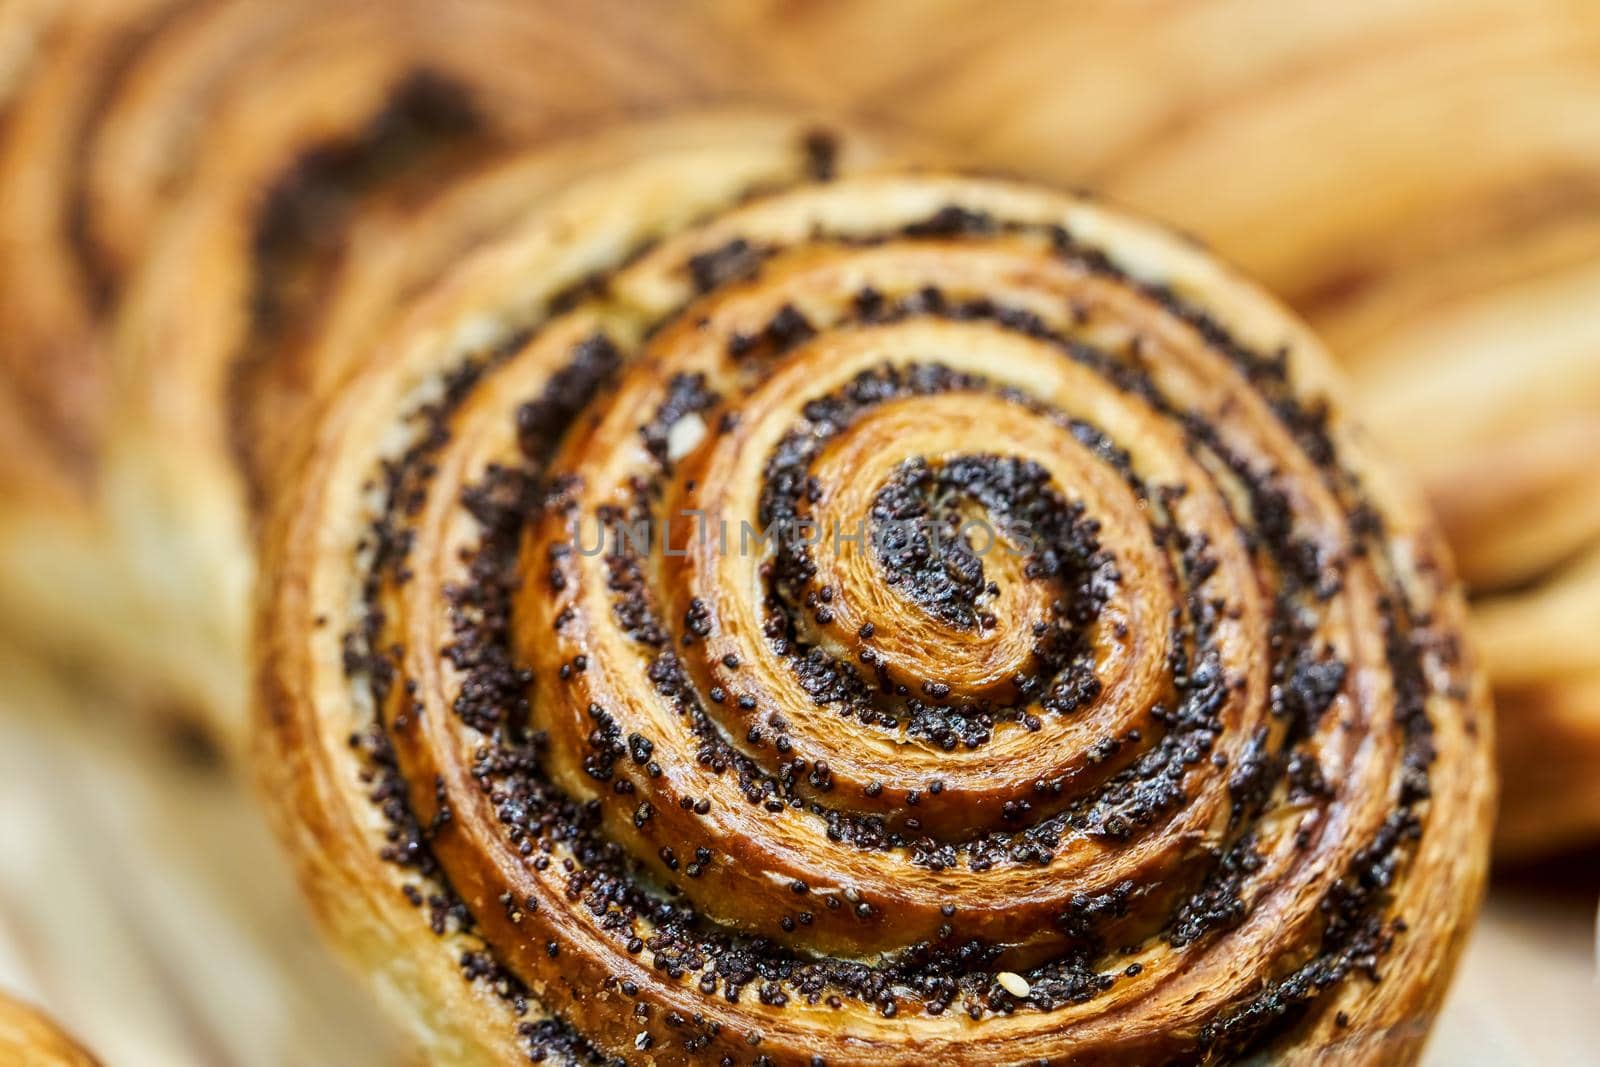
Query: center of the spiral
[(965, 673), (924, 543), (975, 571), (934, 524)]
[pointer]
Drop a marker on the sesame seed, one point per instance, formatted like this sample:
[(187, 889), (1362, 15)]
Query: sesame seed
[(1013, 983)]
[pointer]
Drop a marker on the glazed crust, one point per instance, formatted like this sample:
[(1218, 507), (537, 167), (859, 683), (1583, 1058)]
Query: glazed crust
[(1170, 782), (29, 1039)]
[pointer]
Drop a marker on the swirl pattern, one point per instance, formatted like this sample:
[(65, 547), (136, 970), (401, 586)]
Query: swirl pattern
[(759, 612)]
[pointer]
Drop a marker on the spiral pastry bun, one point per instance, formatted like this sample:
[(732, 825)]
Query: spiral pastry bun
[(602, 721), (29, 1039)]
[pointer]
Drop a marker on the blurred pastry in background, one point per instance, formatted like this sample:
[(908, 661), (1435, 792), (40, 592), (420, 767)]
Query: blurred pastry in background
[(30, 1039), (183, 184)]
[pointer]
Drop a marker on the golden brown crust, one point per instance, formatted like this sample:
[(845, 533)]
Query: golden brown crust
[(1195, 761), (29, 1039)]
